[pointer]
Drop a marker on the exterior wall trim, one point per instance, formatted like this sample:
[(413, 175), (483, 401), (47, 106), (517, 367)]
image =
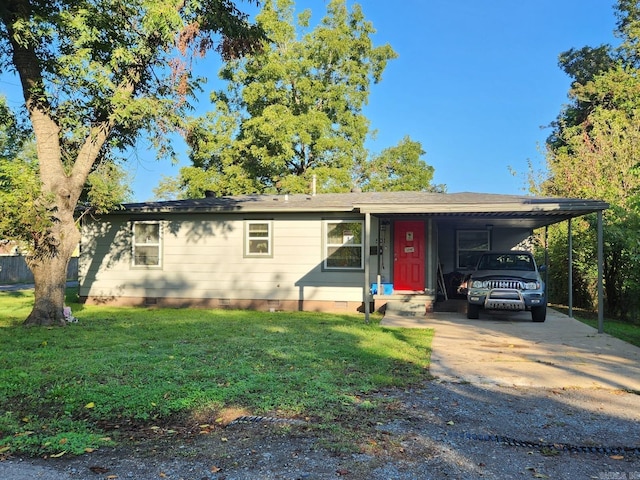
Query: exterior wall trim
[(326, 306)]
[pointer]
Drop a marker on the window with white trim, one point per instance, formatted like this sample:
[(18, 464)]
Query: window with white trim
[(258, 238), (343, 245), (147, 244), (470, 245)]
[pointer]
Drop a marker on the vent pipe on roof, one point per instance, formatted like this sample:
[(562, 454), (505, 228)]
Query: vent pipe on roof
[(313, 185)]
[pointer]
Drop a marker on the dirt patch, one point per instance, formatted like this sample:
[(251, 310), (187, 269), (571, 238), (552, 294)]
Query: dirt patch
[(439, 430)]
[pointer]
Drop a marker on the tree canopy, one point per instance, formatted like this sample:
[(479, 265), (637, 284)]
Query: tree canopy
[(593, 152), (94, 75), (294, 111), (399, 168)]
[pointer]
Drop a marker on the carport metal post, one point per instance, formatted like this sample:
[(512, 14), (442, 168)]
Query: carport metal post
[(570, 253), (600, 272), (546, 260)]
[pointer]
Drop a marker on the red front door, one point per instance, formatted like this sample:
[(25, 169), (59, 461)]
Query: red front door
[(408, 265)]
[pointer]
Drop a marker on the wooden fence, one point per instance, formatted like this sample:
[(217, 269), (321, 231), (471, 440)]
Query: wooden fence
[(13, 269)]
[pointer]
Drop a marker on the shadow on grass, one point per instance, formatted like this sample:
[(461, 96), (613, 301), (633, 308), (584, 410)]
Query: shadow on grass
[(143, 367)]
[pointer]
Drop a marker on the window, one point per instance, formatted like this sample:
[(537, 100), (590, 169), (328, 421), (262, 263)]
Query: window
[(471, 244), (146, 244), (344, 245), (257, 239)]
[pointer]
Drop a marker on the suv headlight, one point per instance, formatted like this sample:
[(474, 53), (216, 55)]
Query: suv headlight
[(532, 286), (477, 284)]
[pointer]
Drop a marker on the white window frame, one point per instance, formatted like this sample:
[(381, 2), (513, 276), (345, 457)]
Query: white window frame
[(479, 250), (248, 238), (346, 243), (135, 244)]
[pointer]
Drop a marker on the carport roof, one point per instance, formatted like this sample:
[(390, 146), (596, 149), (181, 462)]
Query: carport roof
[(506, 210)]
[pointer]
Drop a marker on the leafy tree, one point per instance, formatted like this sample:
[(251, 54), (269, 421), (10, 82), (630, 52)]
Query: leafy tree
[(597, 156), (593, 152), (94, 74), (399, 168), (586, 63), (582, 66), (19, 181), (20, 185), (13, 135), (628, 30), (292, 110)]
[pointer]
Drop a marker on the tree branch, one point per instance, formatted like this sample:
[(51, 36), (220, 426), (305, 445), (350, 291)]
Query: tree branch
[(27, 64)]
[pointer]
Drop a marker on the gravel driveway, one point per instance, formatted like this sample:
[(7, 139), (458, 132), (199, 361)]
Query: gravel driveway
[(463, 425)]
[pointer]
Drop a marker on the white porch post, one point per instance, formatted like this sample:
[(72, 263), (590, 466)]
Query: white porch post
[(367, 259)]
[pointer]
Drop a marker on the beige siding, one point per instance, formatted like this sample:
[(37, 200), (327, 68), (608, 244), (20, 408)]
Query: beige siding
[(204, 258)]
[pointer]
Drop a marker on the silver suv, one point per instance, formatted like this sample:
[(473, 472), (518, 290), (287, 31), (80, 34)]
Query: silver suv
[(507, 281)]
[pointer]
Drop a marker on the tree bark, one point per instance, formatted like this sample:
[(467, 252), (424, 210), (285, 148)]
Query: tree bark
[(52, 246), (49, 267), (64, 163), (50, 280)]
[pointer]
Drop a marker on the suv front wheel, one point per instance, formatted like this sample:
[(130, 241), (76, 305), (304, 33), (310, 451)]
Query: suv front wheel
[(539, 314), (473, 311)]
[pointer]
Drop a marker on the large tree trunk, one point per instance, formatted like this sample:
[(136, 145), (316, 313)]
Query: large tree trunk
[(52, 245), (49, 267)]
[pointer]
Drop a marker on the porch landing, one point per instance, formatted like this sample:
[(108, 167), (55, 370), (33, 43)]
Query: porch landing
[(412, 311)]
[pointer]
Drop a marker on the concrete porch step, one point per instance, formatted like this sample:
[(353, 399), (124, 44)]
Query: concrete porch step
[(407, 307)]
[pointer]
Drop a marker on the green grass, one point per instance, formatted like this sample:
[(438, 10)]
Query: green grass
[(627, 331), (62, 388)]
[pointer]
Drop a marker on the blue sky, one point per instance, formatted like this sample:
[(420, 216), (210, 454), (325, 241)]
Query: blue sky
[(474, 83), (476, 80)]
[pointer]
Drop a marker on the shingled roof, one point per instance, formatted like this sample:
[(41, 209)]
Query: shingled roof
[(535, 211)]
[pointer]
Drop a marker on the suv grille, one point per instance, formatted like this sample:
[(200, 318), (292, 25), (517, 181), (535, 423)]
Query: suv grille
[(515, 284)]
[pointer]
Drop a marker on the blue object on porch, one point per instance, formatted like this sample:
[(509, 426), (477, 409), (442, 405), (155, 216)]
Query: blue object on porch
[(386, 288)]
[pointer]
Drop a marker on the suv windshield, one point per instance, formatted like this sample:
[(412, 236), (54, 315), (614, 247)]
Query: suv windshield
[(506, 261)]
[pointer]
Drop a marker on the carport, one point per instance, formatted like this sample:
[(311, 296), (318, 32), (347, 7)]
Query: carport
[(481, 212)]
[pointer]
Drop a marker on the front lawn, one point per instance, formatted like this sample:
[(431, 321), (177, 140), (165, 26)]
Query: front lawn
[(69, 390)]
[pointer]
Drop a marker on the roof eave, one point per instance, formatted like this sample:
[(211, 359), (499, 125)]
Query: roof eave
[(211, 209), (579, 208)]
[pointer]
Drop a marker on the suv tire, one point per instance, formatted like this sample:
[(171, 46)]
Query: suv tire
[(539, 314), (473, 311)]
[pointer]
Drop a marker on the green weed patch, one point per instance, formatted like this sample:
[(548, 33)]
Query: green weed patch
[(62, 388)]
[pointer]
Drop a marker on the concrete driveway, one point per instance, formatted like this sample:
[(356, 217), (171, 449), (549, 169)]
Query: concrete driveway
[(508, 349)]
